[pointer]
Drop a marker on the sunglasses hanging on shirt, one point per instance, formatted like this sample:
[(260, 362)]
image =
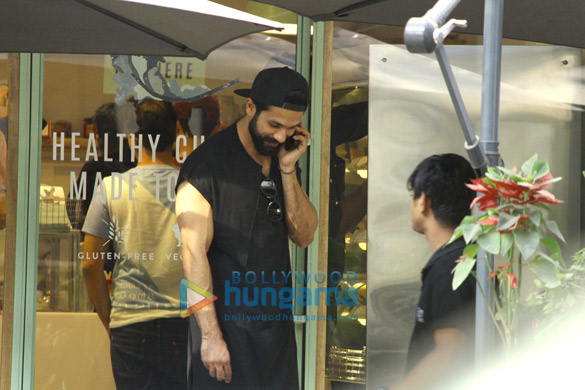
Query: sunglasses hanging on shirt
[(273, 211)]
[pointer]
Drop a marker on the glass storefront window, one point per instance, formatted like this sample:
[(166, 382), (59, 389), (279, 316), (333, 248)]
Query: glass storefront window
[(75, 86), (346, 333)]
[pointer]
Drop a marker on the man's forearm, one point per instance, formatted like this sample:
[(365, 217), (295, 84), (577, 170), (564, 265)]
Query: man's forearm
[(301, 217), (196, 269), (440, 366), (424, 375)]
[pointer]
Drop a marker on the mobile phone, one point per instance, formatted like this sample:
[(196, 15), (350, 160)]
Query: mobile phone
[(292, 143)]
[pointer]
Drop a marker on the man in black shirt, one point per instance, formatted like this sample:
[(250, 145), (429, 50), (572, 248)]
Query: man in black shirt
[(442, 340), (238, 201)]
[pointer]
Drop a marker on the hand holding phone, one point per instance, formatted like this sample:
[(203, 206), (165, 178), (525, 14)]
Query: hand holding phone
[(292, 143), (292, 149)]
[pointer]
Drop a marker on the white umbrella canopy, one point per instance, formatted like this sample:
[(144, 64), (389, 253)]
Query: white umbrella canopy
[(555, 22), (146, 27)]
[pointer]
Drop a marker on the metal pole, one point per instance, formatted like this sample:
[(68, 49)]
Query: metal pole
[(490, 107), (425, 35), (492, 64)]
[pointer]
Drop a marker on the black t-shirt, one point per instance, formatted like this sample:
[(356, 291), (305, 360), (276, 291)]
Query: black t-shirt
[(440, 307), (260, 337), (244, 239)]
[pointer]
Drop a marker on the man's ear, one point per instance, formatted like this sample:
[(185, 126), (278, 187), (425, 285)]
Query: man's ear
[(250, 107), (425, 203)]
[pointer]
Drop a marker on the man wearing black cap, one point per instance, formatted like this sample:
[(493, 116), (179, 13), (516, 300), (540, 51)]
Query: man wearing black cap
[(238, 201)]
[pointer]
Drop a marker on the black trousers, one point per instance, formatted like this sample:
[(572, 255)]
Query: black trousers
[(150, 355), (263, 354)]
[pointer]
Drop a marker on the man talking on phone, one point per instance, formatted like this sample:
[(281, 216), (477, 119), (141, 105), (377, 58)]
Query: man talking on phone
[(239, 200)]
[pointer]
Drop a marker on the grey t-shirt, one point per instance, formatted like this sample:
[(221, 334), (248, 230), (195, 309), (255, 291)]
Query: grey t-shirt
[(135, 211)]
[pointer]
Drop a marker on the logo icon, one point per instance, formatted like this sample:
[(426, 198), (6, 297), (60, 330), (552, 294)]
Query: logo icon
[(194, 298), (116, 233), (177, 232)]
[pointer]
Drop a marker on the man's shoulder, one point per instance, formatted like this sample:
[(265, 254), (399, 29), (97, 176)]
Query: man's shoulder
[(222, 141), (442, 269), (444, 259), (214, 152), (454, 249)]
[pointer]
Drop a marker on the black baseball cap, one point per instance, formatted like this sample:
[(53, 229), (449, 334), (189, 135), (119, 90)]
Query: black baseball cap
[(273, 85)]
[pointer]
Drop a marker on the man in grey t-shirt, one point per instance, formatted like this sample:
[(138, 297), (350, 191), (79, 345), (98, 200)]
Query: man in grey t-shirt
[(133, 213)]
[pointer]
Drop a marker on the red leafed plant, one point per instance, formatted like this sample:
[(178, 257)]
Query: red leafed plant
[(511, 223)]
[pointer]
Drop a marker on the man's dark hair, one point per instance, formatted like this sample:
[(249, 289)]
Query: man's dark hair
[(442, 179), (105, 119), (157, 117), (296, 97)]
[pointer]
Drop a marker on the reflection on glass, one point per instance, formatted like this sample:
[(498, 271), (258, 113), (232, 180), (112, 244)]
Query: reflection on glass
[(412, 118), (346, 325), (78, 93)]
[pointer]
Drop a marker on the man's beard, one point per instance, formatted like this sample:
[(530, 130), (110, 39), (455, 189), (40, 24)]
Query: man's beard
[(259, 139)]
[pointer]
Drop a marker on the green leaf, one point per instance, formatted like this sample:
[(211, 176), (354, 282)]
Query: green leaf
[(504, 207), (554, 228), (462, 271), (535, 217), (467, 220), (527, 242), (551, 181), (490, 242), (506, 243), (458, 232), (493, 176), (546, 271), (541, 168), (554, 248), (511, 174), (496, 172), (538, 283), (471, 250), (529, 164), (506, 221), (470, 232)]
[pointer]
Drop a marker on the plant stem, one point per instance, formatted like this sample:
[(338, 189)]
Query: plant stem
[(492, 315), (493, 287), (519, 272)]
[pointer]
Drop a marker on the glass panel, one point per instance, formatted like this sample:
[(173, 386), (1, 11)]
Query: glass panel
[(346, 330), (411, 117), (348, 178), (75, 86), (4, 90), (414, 119)]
